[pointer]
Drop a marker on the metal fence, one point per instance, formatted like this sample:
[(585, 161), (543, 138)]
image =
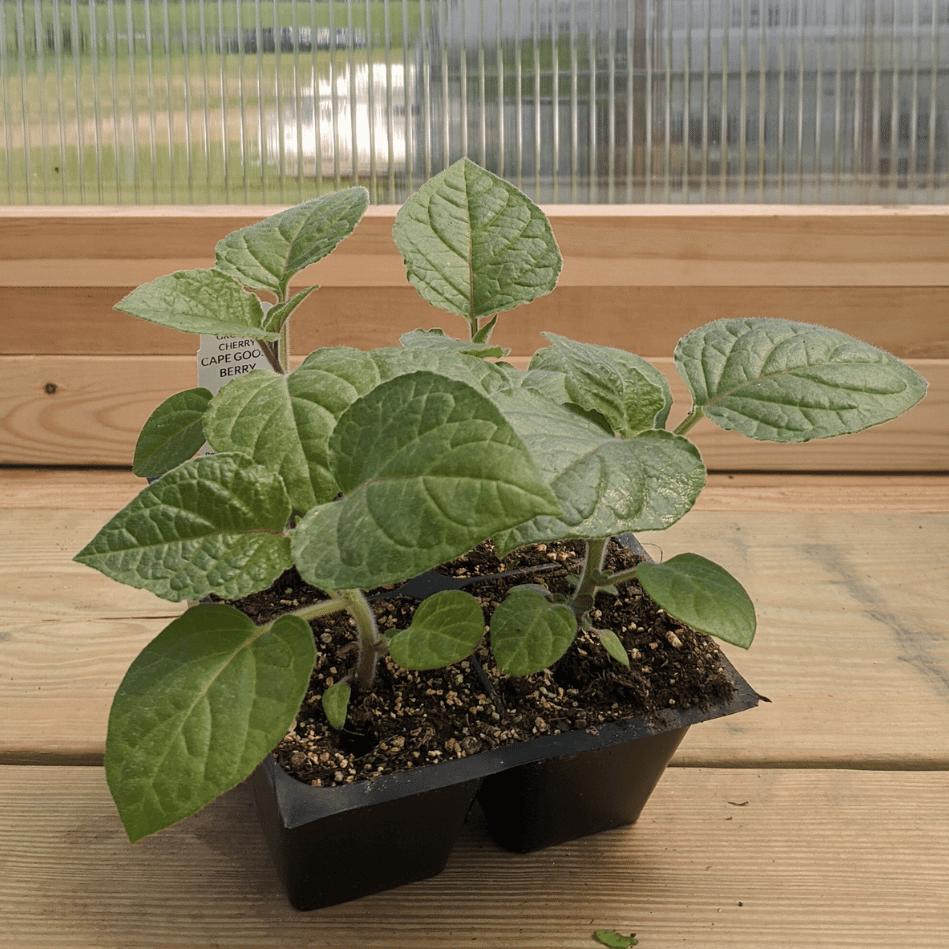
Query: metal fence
[(601, 101)]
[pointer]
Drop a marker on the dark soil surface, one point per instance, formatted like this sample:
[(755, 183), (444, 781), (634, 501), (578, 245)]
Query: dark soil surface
[(412, 719)]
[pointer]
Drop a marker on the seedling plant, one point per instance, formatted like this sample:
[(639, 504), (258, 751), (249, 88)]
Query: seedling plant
[(368, 468)]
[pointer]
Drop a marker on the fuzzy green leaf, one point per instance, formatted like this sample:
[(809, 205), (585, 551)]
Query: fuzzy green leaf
[(614, 940), (172, 434), (446, 628), (265, 255), (630, 393), (429, 468), (529, 633), (199, 301), (211, 525), (335, 703), (436, 339), (702, 595), (605, 485), (613, 645), (199, 709), (284, 422), (781, 381), (279, 313), (474, 245)]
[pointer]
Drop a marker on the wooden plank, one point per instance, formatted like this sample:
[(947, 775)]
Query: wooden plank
[(909, 321), (108, 489), (851, 646), (72, 410), (735, 859), (622, 245)]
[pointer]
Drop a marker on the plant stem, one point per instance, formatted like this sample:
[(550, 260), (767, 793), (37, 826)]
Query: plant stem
[(323, 608), (358, 606), (585, 592), (689, 420)]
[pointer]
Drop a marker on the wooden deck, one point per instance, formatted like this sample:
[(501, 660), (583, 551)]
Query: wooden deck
[(820, 819)]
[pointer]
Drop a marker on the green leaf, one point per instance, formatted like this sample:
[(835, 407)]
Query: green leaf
[(630, 393), (614, 940), (605, 485), (529, 633), (284, 422), (446, 628), (335, 703), (781, 381), (430, 468), (397, 361), (199, 301), (172, 434), (702, 595), (436, 339), (265, 255), (474, 245), (279, 313), (198, 710), (211, 525), (613, 645)]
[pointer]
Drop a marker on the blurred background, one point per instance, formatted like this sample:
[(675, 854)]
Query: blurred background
[(576, 101)]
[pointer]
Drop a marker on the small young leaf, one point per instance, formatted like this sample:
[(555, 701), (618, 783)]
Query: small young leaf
[(265, 255), (279, 313), (702, 595), (474, 245), (630, 393), (336, 703), (199, 301), (613, 645), (199, 708), (429, 468), (436, 339), (446, 628), (614, 940), (781, 381), (529, 633), (212, 525), (172, 434)]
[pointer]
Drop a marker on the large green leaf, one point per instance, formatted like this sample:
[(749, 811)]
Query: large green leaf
[(702, 595), (605, 485), (265, 255), (436, 339), (284, 422), (628, 392), (172, 434), (199, 709), (199, 301), (211, 525), (446, 628), (429, 468), (474, 245), (529, 632), (781, 381), (394, 361)]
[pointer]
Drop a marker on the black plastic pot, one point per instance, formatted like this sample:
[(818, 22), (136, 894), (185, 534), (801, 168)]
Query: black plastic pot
[(331, 845)]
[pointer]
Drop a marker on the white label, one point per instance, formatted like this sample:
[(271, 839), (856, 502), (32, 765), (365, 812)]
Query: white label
[(222, 358)]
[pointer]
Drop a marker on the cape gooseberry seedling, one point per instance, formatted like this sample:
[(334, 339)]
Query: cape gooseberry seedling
[(368, 468)]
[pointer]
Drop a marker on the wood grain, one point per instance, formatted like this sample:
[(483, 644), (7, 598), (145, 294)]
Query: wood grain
[(108, 489), (72, 410), (909, 322), (851, 645), (734, 858)]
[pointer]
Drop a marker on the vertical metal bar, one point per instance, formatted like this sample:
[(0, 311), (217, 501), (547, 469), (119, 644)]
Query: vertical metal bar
[(462, 43), (726, 139), (574, 106), (499, 53), (517, 43), (706, 101), (409, 85), (42, 97), (60, 100), (611, 106), (650, 97), (538, 99), (818, 116), (687, 104), (933, 93), (667, 104), (555, 98), (371, 104), (838, 109)]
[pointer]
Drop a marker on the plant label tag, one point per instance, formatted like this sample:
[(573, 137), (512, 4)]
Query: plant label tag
[(222, 358)]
